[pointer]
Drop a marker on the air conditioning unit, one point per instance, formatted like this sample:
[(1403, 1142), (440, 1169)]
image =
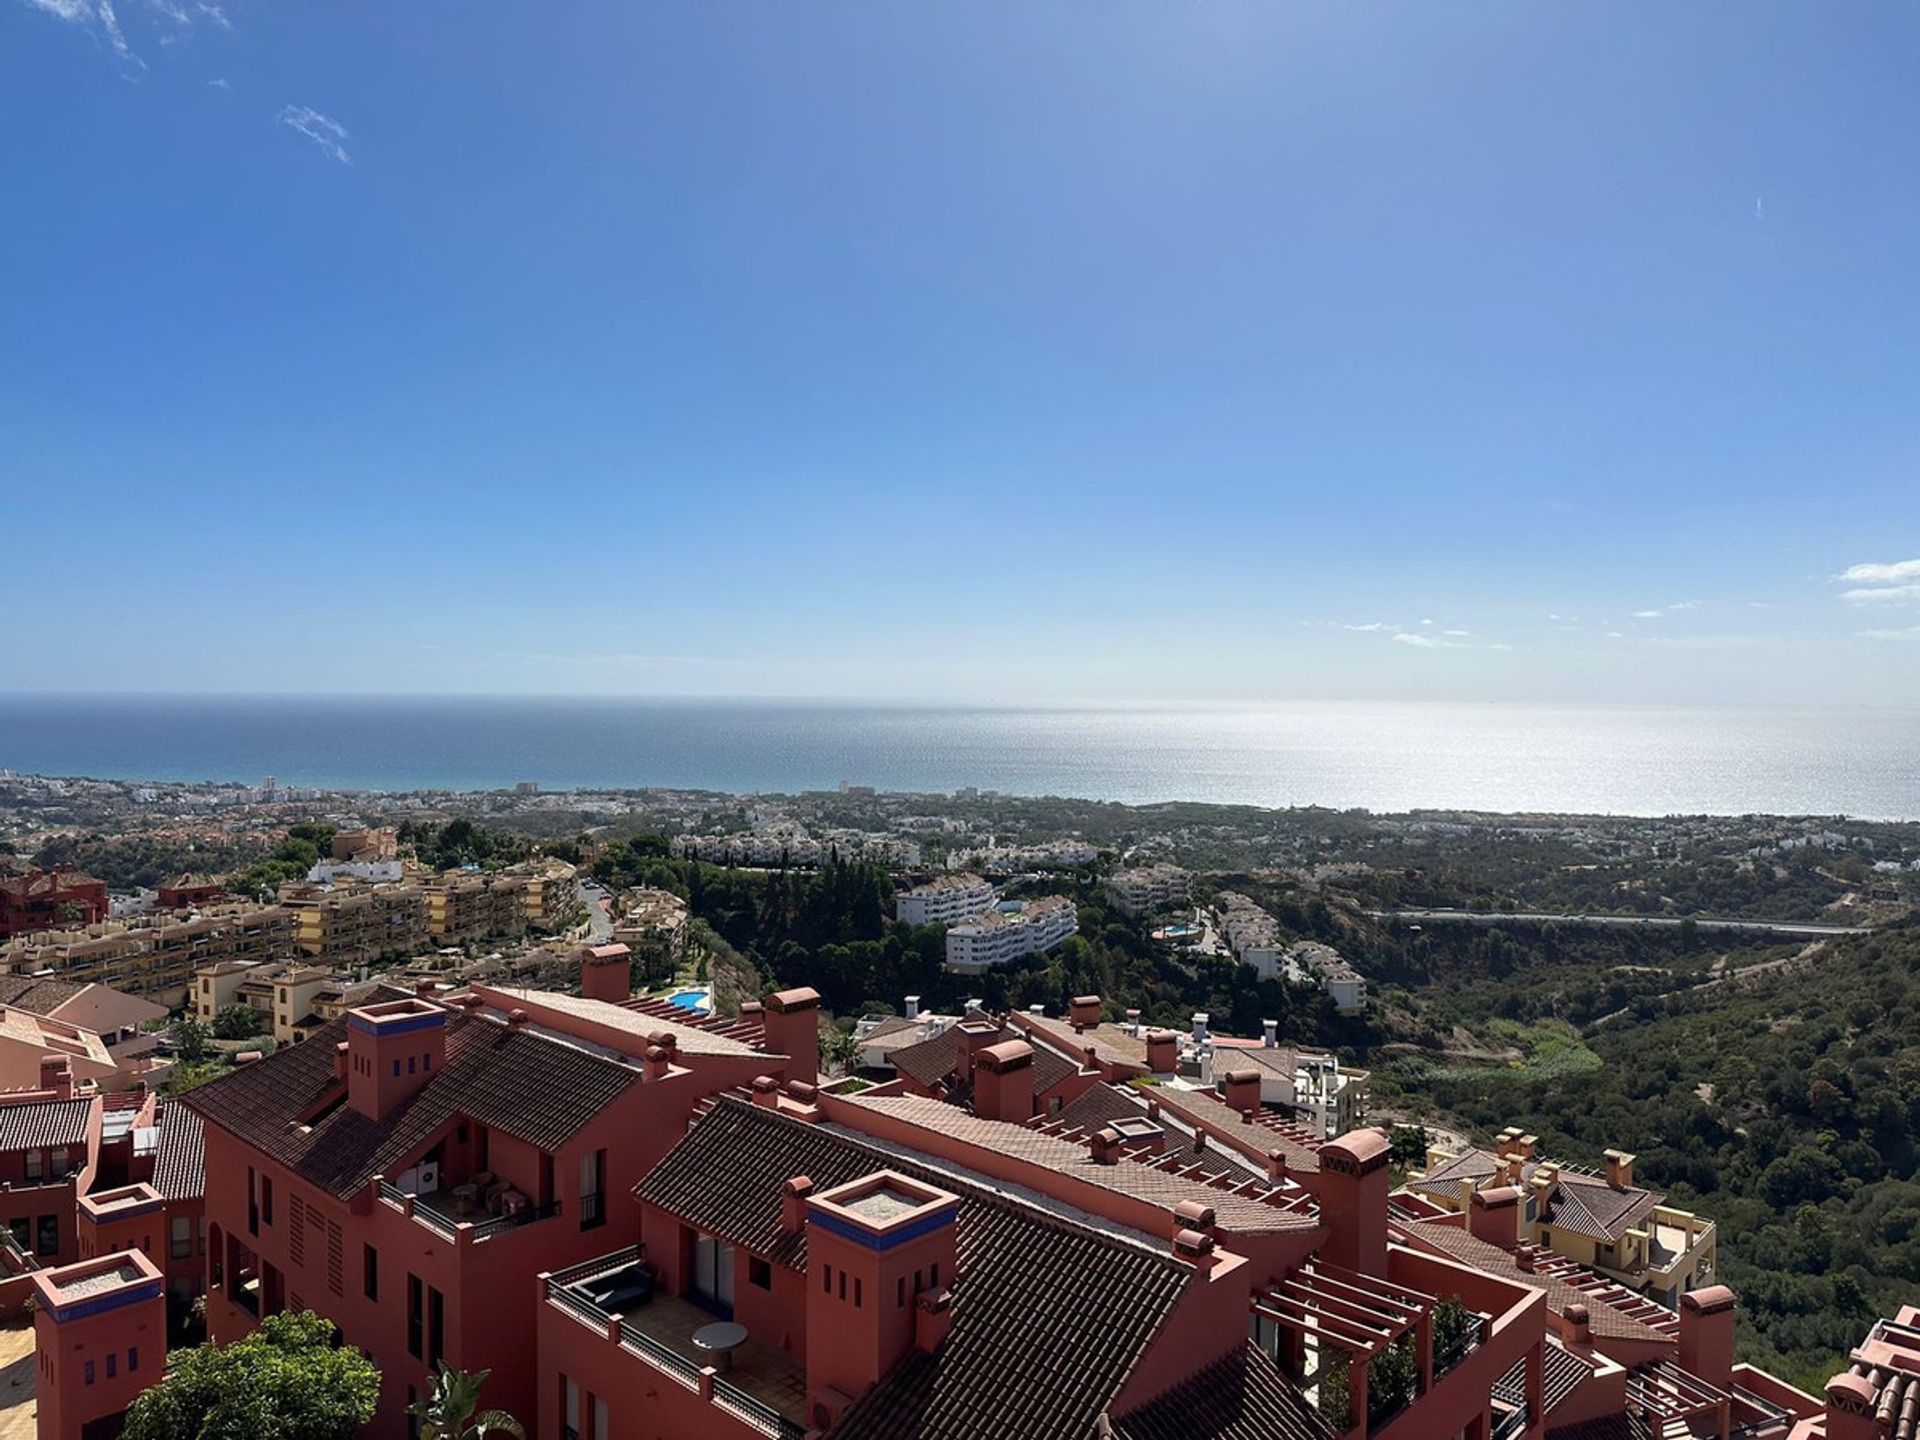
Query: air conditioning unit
[(423, 1179)]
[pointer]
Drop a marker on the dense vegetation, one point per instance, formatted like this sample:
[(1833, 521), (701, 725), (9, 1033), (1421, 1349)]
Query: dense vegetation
[(290, 1378), (129, 861), (1786, 1107), (461, 842)]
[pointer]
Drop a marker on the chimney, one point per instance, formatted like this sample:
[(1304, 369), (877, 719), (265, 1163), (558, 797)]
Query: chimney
[(1353, 1200), (1084, 1012), (1527, 1146), (1619, 1169), (793, 1204), (766, 1092), (658, 1059), (340, 1061), (1526, 1258), (1194, 1248), (1003, 1082), (1706, 1334), (1851, 1398), (1104, 1145), (875, 1247), (518, 1019), (56, 1074), (1270, 1034), (1133, 1022), (913, 1007), (752, 1012), (793, 1030), (1494, 1216), (1277, 1166), (932, 1319), (1192, 1215), (1163, 1052), (1241, 1089), (392, 1050), (606, 973), (1576, 1330), (425, 989), (1200, 1022)]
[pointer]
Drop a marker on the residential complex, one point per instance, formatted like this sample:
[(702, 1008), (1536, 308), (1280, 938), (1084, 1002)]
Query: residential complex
[(1256, 939), (650, 1226), (1013, 929), (1597, 1220), (49, 900), (945, 900), (1149, 887), (154, 956)]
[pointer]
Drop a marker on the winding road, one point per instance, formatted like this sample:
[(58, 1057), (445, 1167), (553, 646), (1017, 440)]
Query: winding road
[(1489, 917)]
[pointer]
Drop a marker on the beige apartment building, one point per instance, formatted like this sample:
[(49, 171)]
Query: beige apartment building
[(154, 956), (475, 905), (352, 923)]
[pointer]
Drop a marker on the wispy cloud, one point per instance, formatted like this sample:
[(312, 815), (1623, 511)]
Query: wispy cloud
[(323, 130), (1648, 614), (100, 19), (1423, 642), (1881, 582), (1882, 595), (1912, 632), (219, 84)]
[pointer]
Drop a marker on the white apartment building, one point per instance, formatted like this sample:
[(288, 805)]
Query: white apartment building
[(1016, 929), (947, 900), (1312, 963), (1252, 934), (1309, 1086), (1150, 887)]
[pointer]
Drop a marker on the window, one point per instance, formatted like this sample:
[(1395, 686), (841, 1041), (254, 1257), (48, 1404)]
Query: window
[(266, 1199), (61, 1160), (436, 1326), (113, 1363), (36, 1164), (47, 1240), (856, 1292), (133, 1358), (759, 1272), (180, 1237), (826, 1278), (253, 1201), (600, 1424), (569, 1409), (87, 1372), (416, 1321), (370, 1271), (396, 1067), (593, 1208), (411, 1062)]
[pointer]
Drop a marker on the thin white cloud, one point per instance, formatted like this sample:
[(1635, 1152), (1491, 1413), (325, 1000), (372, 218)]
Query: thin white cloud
[(1423, 642), (322, 130), (214, 15), (1457, 634), (1912, 632), (1882, 595), (1647, 614), (1371, 627), (219, 84), (1889, 573), (1683, 605), (103, 21)]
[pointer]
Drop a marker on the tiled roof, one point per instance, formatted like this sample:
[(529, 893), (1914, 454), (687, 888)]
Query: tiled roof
[(1111, 1044), (1563, 1372), (1235, 1213), (1590, 1206), (37, 1124), (531, 1087), (1027, 1280), (1205, 1108), (931, 1062), (1243, 1396), (42, 997), (1453, 1241), (180, 1164), (1102, 1104)]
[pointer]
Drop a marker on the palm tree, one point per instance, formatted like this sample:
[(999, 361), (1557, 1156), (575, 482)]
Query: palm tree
[(447, 1412)]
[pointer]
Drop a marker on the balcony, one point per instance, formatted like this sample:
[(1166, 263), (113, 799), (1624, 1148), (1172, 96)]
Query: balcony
[(453, 1214), (761, 1387)]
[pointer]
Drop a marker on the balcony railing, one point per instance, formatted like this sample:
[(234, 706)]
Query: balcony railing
[(448, 1225), (1445, 1357), (1510, 1425)]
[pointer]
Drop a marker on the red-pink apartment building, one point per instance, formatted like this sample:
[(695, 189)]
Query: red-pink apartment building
[(651, 1228)]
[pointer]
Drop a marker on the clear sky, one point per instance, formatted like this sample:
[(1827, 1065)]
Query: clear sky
[(1043, 350)]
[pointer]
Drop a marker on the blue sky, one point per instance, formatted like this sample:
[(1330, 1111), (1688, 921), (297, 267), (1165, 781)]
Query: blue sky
[(984, 351)]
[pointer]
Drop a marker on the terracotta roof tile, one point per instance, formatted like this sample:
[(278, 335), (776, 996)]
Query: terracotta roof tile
[(536, 1089), (180, 1164), (1028, 1279), (1243, 1396), (38, 1124)]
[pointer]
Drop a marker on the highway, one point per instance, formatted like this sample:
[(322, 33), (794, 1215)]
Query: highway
[(1490, 917)]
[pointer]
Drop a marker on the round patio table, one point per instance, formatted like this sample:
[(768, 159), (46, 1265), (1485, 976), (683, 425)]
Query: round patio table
[(722, 1338)]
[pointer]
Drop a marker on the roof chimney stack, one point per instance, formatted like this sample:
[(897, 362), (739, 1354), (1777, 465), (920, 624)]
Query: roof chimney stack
[(1084, 1012), (1619, 1169), (1003, 1082), (1241, 1089), (1270, 1037), (793, 1030), (1706, 1334), (1163, 1052), (606, 973), (793, 1203), (1200, 1022), (393, 1049), (1493, 1216), (913, 1007), (1353, 1200)]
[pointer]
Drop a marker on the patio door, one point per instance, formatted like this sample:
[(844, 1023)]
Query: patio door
[(713, 1276)]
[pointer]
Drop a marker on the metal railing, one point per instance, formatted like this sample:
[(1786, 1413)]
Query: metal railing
[(446, 1224), (676, 1365), (1445, 1357), (1769, 1417), (1513, 1423), (757, 1413)]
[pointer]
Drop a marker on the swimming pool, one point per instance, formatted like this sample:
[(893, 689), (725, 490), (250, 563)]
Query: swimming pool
[(698, 1001)]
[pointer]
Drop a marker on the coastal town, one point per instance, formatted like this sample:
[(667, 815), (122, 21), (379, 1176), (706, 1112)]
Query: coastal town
[(534, 1115)]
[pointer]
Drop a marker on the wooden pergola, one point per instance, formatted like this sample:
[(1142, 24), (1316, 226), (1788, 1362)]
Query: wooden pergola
[(1359, 1314), (1663, 1393)]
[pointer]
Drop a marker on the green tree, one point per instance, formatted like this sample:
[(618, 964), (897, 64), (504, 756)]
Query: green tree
[(287, 1379), (447, 1411), (190, 1038), (235, 1022), (839, 1049), (1409, 1144)]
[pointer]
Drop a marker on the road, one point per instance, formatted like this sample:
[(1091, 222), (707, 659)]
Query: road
[(599, 922), (1477, 917)]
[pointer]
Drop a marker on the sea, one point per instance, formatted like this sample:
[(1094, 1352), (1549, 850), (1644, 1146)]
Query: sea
[(1378, 756)]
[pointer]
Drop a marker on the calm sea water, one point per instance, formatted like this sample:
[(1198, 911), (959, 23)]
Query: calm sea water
[(1381, 756)]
